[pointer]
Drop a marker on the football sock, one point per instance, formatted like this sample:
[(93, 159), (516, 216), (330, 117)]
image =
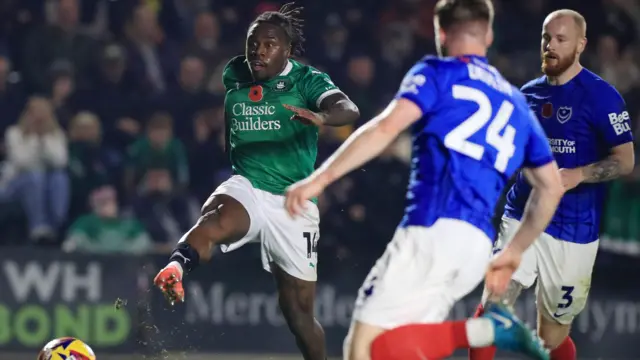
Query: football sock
[(419, 341), (481, 353), (566, 350)]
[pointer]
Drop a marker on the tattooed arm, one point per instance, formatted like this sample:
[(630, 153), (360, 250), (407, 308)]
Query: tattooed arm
[(619, 163)]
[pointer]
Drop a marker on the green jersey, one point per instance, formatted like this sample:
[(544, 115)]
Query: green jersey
[(264, 145)]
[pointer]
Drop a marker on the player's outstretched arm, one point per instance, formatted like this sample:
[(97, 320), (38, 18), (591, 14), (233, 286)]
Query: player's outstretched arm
[(363, 145), (335, 110), (338, 110)]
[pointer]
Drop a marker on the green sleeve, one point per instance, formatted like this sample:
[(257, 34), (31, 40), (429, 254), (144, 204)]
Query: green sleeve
[(316, 86)]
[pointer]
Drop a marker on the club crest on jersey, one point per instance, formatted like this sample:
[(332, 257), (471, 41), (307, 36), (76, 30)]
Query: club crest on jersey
[(281, 85), (255, 93), (564, 114), (547, 110)]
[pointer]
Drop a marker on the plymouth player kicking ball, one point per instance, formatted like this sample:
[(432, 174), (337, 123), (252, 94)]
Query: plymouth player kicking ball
[(273, 108)]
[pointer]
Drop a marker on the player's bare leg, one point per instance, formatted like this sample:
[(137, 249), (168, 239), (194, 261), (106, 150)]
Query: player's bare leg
[(296, 299), (357, 344), (556, 337), (223, 220)]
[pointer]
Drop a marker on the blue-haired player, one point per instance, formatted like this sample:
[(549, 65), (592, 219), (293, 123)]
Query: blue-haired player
[(472, 131), (588, 129)]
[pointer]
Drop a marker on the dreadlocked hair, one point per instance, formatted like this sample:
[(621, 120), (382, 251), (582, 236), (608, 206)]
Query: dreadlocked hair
[(288, 18)]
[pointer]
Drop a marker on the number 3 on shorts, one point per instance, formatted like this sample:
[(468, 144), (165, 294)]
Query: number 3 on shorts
[(312, 243), (567, 297)]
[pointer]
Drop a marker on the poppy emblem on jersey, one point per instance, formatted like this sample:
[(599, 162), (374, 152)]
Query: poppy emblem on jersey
[(255, 93), (547, 110), (564, 114)]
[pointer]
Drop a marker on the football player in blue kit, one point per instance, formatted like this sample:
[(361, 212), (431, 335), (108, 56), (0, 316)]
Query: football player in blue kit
[(472, 131), (588, 129)]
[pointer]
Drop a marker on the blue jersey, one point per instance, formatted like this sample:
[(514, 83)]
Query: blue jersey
[(583, 120), (475, 133)]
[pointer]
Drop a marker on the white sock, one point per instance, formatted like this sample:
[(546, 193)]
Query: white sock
[(179, 267), (480, 332)]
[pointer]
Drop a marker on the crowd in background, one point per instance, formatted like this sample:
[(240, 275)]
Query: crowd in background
[(113, 124)]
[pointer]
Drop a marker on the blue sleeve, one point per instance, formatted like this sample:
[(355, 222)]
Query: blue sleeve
[(537, 152), (419, 87), (611, 118)]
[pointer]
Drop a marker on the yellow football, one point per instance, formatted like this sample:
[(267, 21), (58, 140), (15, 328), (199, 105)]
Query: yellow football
[(66, 348)]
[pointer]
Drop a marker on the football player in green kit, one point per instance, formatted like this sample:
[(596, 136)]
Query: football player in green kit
[(273, 107)]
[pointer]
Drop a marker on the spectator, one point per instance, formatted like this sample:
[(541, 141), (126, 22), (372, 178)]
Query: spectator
[(206, 44), (61, 90), (185, 99), (35, 174), (616, 66), (157, 178), (114, 99), (361, 87), (210, 164), (104, 230), (151, 56), (91, 163), (11, 95), (60, 41)]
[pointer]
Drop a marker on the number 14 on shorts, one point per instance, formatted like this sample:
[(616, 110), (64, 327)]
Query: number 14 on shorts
[(312, 242)]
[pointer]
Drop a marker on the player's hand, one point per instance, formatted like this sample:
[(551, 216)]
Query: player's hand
[(501, 268), (305, 116), (169, 280), (571, 178), (299, 193)]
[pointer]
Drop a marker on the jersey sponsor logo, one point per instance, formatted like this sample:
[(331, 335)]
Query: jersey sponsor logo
[(620, 122), (547, 110), (251, 117), (411, 84), (564, 114), (242, 109), (562, 146), (255, 93)]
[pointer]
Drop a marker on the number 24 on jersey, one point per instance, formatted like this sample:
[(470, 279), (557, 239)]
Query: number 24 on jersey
[(458, 138)]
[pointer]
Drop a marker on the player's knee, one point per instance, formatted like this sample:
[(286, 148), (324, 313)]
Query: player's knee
[(299, 316), (223, 222)]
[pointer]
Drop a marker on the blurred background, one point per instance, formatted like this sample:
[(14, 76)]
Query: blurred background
[(126, 97)]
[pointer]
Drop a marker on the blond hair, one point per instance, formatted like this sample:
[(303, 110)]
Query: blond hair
[(39, 101), (83, 118)]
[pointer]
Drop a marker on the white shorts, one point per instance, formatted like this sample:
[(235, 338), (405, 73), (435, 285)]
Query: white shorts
[(563, 270), (422, 273), (289, 243)]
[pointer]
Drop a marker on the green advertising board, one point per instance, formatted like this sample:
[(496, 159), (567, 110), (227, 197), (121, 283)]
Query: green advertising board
[(46, 295)]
